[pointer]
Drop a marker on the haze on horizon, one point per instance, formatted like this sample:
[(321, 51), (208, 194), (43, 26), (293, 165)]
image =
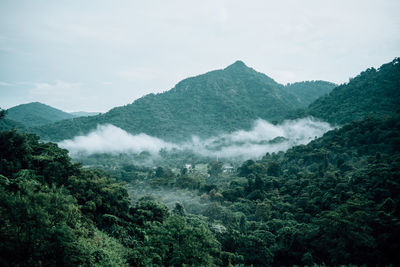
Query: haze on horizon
[(93, 56)]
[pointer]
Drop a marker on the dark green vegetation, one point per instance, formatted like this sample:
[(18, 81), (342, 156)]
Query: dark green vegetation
[(35, 114), (6, 124), (205, 105), (371, 92), (334, 201), (2, 113), (308, 91), (53, 212)]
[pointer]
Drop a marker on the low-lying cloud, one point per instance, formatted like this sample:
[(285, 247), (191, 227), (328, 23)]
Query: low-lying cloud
[(263, 137), (108, 138)]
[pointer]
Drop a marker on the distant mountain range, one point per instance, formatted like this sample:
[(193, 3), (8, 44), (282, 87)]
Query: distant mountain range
[(218, 101), (224, 101), (37, 114)]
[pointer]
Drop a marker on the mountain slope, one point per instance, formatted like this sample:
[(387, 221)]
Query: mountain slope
[(309, 91), (371, 92), (6, 124), (35, 114), (218, 101), (337, 197)]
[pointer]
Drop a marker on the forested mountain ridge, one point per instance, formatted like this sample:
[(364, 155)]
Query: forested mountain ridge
[(229, 99), (307, 92), (6, 124), (373, 91), (205, 105), (35, 114)]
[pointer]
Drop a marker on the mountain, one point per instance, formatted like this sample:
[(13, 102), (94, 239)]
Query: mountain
[(35, 114), (218, 101), (84, 113), (6, 124), (308, 91), (371, 92)]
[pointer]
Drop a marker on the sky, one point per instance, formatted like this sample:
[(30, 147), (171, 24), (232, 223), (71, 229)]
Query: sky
[(95, 55)]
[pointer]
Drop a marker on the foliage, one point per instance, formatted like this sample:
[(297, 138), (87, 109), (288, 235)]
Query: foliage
[(308, 91), (371, 92), (180, 241), (332, 202), (6, 124), (54, 212), (2, 113)]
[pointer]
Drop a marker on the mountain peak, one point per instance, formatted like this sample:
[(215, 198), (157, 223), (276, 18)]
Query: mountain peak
[(238, 65), (36, 113)]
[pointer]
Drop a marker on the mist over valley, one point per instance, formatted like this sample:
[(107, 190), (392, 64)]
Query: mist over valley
[(262, 138)]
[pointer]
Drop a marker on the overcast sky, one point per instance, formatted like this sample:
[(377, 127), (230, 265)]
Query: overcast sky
[(95, 55)]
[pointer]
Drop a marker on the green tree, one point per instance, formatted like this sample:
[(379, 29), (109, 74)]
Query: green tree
[(215, 168)]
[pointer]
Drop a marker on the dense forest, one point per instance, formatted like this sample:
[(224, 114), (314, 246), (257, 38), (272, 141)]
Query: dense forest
[(373, 91), (334, 201), (7, 124), (53, 212)]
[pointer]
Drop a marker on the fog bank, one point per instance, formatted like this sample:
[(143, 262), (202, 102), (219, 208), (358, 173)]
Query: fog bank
[(263, 137)]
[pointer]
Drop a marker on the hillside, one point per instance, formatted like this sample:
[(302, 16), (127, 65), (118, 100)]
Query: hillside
[(308, 91), (218, 101), (371, 92), (332, 202), (35, 114), (6, 124)]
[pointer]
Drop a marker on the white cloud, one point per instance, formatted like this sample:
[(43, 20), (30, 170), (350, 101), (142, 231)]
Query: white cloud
[(262, 138), (111, 139)]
